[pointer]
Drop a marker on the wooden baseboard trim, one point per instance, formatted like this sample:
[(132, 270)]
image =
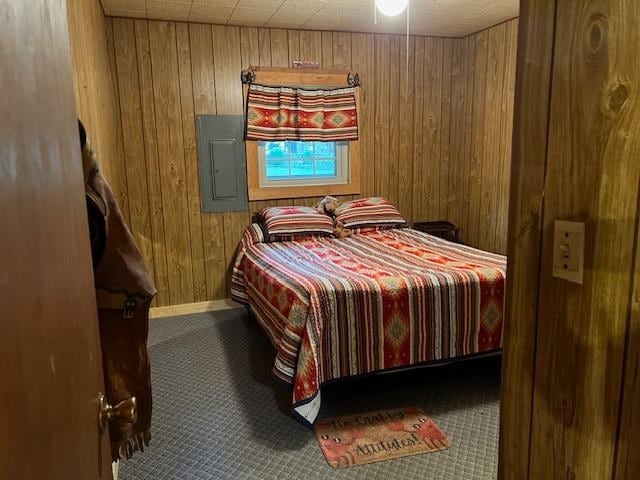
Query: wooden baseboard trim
[(199, 307)]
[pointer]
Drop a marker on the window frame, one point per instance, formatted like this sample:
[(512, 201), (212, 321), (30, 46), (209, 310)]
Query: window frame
[(301, 78)]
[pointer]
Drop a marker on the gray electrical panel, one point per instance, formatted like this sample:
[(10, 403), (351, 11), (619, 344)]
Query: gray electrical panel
[(223, 169)]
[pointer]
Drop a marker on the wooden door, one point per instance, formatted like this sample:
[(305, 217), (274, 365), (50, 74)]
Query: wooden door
[(50, 359)]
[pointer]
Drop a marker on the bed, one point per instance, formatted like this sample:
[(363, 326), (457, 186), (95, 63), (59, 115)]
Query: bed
[(378, 300)]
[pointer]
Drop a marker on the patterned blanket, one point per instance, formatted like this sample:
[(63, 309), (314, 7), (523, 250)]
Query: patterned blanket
[(378, 300)]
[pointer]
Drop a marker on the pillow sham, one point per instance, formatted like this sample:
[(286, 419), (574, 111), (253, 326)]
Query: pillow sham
[(294, 222), (374, 212)]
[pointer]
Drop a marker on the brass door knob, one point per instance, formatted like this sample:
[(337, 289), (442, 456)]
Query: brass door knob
[(125, 411)]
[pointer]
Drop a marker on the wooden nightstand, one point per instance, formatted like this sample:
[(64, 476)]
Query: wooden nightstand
[(442, 229)]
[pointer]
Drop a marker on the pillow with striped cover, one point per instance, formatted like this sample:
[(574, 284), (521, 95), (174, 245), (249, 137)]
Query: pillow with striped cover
[(371, 212), (286, 223)]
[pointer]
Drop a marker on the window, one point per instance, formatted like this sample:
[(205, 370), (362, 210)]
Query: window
[(296, 163)]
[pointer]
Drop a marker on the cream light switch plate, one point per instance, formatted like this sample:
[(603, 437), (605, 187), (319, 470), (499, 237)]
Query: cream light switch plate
[(568, 251)]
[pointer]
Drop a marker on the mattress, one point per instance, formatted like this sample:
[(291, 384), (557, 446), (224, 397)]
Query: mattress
[(378, 300)]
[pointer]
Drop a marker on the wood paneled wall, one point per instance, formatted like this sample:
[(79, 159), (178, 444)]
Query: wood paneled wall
[(475, 167), (571, 388), (423, 116), (96, 91)]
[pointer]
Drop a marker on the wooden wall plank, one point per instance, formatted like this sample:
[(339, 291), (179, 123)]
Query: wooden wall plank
[(506, 129), (264, 44), (279, 48), (164, 61), (84, 61), (394, 118), (255, 51), (311, 46), (204, 96), (279, 58), (381, 101), (249, 46), (156, 208), (227, 64), (342, 50), (227, 61), (491, 148), (327, 50), (419, 131), (310, 49), (477, 137), (467, 138), (405, 134), (341, 57), (191, 163), (452, 193), (364, 62), (133, 138), (293, 40), (433, 120), (445, 128), (111, 134)]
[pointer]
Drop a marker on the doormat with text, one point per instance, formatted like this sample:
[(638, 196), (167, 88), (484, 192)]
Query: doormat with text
[(376, 436)]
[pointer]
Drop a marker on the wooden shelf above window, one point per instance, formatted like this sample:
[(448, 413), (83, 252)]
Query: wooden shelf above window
[(300, 77)]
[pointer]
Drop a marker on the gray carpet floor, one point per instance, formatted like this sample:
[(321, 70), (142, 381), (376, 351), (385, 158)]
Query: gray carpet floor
[(219, 415)]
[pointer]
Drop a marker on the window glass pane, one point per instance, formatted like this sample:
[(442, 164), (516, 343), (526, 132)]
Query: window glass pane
[(302, 167), (300, 149), (326, 167), (275, 150), (291, 160), (277, 167), (325, 149)]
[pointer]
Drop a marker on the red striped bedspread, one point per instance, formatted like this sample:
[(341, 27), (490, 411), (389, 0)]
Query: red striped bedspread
[(335, 308)]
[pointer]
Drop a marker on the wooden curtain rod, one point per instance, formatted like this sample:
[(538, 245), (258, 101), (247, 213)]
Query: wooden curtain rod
[(249, 75)]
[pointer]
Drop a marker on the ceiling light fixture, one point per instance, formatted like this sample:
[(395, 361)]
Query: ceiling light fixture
[(391, 8)]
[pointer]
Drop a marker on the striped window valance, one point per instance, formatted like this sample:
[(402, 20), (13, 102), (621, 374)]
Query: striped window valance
[(284, 113)]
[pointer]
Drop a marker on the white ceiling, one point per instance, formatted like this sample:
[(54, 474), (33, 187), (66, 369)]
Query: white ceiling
[(449, 18)]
